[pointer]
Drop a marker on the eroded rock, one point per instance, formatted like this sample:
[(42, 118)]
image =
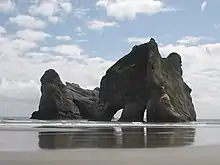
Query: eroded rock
[(135, 81), (141, 80), (59, 101)]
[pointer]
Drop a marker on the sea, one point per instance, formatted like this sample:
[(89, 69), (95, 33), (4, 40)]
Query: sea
[(23, 134)]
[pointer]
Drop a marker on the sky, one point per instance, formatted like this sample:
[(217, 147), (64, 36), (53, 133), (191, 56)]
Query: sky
[(81, 39)]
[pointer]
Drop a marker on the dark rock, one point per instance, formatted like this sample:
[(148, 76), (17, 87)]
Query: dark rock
[(143, 79), (159, 108), (138, 81), (59, 101), (86, 100), (175, 60)]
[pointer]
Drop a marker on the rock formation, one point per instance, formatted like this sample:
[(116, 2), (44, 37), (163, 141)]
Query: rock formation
[(144, 80), (59, 101), (141, 80)]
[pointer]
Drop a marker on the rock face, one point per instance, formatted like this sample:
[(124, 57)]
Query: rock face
[(144, 80), (86, 100), (59, 101)]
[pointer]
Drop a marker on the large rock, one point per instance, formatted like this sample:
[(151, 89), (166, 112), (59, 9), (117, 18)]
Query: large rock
[(143, 79), (59, 101)]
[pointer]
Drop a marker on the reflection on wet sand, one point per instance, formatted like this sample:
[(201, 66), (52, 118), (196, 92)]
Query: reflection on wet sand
[(85, 138), (133, 138), (172, 137), (117, 138)]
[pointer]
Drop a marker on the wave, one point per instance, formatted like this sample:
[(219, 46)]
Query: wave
[(67, 124)]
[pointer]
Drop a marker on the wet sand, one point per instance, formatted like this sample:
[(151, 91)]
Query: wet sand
[(152, 156), (111, 145)]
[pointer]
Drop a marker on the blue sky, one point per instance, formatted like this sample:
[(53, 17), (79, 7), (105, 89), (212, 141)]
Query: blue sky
[(166, 27), (82, 38)]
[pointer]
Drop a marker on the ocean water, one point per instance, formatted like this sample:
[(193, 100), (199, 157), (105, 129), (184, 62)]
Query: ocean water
[(24, 134)]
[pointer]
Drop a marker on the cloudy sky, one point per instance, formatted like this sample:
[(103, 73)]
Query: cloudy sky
[(82, 38)]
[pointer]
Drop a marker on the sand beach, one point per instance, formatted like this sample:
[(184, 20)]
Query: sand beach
[(206, 155)]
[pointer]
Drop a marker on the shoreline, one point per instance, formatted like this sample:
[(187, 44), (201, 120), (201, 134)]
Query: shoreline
[(196, 155)]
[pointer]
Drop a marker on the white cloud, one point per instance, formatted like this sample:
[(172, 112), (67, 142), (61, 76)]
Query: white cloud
[(14, 100), (43, 57), (2, 30), (67, 7), (12, 48), (66, 38), (66, 51), (26, 21), (73, 51), (32, 35), (3, 40), (99, 25), (191, 40), (53, 9), (53, 19), (22, 45), (129, 8), (7, 5), (10, 85), (45, 49), (81, 12), (45, 8), (204, 5), (138, 40), (18, 46)]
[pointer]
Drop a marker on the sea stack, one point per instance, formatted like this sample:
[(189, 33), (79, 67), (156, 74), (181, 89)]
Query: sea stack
[(140, 81), (143, 80), (65, 101)]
